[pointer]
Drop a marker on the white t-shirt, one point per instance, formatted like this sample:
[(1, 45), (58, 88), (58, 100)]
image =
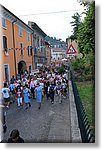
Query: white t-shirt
[(5, 92), (35, 82)]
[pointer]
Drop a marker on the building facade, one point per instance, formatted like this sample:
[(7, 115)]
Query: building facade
[(38, 44), (15, 45), (57, 54), (48, 53)]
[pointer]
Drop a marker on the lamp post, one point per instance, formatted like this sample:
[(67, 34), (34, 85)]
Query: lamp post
[(14, 46)]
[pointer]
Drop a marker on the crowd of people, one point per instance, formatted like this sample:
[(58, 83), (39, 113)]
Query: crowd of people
[(46, 84)]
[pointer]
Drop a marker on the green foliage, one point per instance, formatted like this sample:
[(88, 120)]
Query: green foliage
[(61, 69), (87, 95), (86, 32), (84, 67), (75, 25)]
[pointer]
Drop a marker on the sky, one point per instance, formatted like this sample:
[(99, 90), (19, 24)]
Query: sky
[(53, 24)]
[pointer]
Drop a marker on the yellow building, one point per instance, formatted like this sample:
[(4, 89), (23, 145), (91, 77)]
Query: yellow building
[(16, 53)]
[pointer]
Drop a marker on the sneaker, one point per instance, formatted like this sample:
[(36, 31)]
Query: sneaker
[(26, 108), (60, 102), (29, 105), (39, 107)]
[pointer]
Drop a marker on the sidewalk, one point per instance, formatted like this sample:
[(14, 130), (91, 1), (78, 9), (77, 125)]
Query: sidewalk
[(75, 131)]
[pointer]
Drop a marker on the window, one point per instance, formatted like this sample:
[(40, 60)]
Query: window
[(6, 72), (3, 22), (35, 50), (38, 41), (35, 36), (21, 48), (29, 51), (28, 36), (20, 31), (5, 45), (41, 43), (4, 42)]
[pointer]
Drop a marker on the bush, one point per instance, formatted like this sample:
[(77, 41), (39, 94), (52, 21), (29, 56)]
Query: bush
[(84, 67), (61, 70)]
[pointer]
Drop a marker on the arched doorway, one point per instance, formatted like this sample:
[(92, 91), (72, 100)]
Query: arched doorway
[(22, 67)]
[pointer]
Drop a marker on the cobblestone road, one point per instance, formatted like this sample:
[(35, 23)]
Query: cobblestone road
[(49, 124)]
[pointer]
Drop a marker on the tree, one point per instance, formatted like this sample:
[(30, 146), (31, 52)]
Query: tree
[(86, 32), (75, 24), (86, 43)]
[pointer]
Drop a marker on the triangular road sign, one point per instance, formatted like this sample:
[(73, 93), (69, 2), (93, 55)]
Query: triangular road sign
[(71, 50)]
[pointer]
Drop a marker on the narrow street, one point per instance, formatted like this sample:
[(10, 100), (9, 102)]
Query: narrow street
[(49, 124), (47, 84)]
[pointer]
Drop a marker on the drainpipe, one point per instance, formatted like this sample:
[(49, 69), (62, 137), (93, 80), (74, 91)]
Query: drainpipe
[(32, 43), (14, 47)]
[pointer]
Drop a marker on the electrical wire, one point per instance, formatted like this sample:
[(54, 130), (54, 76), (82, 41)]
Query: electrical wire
[(46, 13)]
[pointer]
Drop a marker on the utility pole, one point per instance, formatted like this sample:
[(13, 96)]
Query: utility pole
[(14, 46)]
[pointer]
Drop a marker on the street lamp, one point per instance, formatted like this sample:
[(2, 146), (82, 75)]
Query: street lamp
[(14, 46)]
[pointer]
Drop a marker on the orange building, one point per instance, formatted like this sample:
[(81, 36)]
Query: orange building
[(15, 45)]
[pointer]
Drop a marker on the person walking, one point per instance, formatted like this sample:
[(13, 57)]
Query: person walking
[(6, 95), (13, 79), (12, 92), (32, 86), (19, 96), (26, 92), (59, 91), (46, 87), (51, 91), (39, 94)]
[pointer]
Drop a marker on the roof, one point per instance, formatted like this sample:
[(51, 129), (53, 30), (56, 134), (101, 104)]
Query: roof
[(15, 17), (47, 43), (36, 27)]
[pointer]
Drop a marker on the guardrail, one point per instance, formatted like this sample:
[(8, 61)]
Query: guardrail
[(86, 132)]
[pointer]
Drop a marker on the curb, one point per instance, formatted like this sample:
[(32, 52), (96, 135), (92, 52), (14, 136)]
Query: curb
[(75, 131)]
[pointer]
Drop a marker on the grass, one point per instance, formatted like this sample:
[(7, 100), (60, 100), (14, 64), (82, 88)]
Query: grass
[(87, 95)]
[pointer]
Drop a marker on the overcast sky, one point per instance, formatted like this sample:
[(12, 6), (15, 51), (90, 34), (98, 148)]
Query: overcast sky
[(54, 24)]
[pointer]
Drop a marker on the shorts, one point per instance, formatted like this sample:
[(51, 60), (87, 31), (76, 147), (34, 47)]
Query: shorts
[(7, 99)]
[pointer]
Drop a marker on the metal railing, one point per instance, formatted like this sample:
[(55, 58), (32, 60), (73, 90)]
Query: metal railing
[(86, 132)]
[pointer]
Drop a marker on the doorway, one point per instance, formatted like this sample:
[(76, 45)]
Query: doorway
[(22, 67), (6, 72)]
